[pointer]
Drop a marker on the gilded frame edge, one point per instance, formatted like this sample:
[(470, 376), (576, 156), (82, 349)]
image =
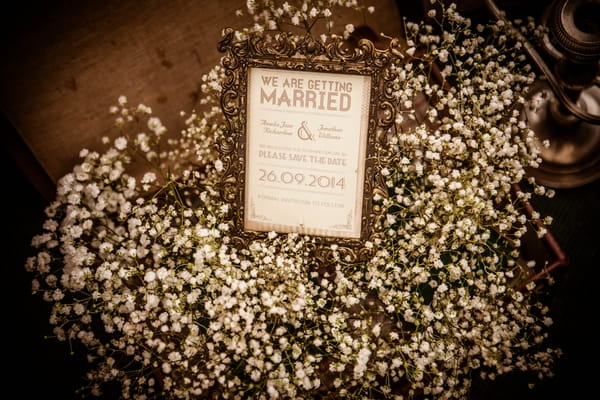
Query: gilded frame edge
[(286, 51)]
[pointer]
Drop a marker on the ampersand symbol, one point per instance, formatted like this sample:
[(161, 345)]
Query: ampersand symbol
[(304, 133)]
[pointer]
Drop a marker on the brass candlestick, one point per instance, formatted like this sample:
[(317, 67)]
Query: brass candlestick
[(564, 105)]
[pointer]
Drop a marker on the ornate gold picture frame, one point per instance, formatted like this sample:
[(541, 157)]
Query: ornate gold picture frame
[(306, 125)]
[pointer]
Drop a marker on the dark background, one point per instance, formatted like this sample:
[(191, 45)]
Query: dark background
[(39, 368)]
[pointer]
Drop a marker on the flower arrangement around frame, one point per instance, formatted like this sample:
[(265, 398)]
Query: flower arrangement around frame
[(142, 274)]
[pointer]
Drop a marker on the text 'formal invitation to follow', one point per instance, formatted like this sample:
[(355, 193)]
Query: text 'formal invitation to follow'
[(306, 143)]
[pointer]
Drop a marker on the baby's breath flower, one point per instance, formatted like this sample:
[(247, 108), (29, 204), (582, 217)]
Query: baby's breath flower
[(140, 266)]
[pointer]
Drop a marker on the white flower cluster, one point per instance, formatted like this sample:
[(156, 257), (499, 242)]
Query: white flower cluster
[(141, 270), (304, 15)]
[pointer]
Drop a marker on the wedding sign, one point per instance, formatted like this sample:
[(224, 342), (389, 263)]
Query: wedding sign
[(306, 125), (306, 145)]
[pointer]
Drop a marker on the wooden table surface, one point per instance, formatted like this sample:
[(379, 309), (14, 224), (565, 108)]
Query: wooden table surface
[(66, 62)]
